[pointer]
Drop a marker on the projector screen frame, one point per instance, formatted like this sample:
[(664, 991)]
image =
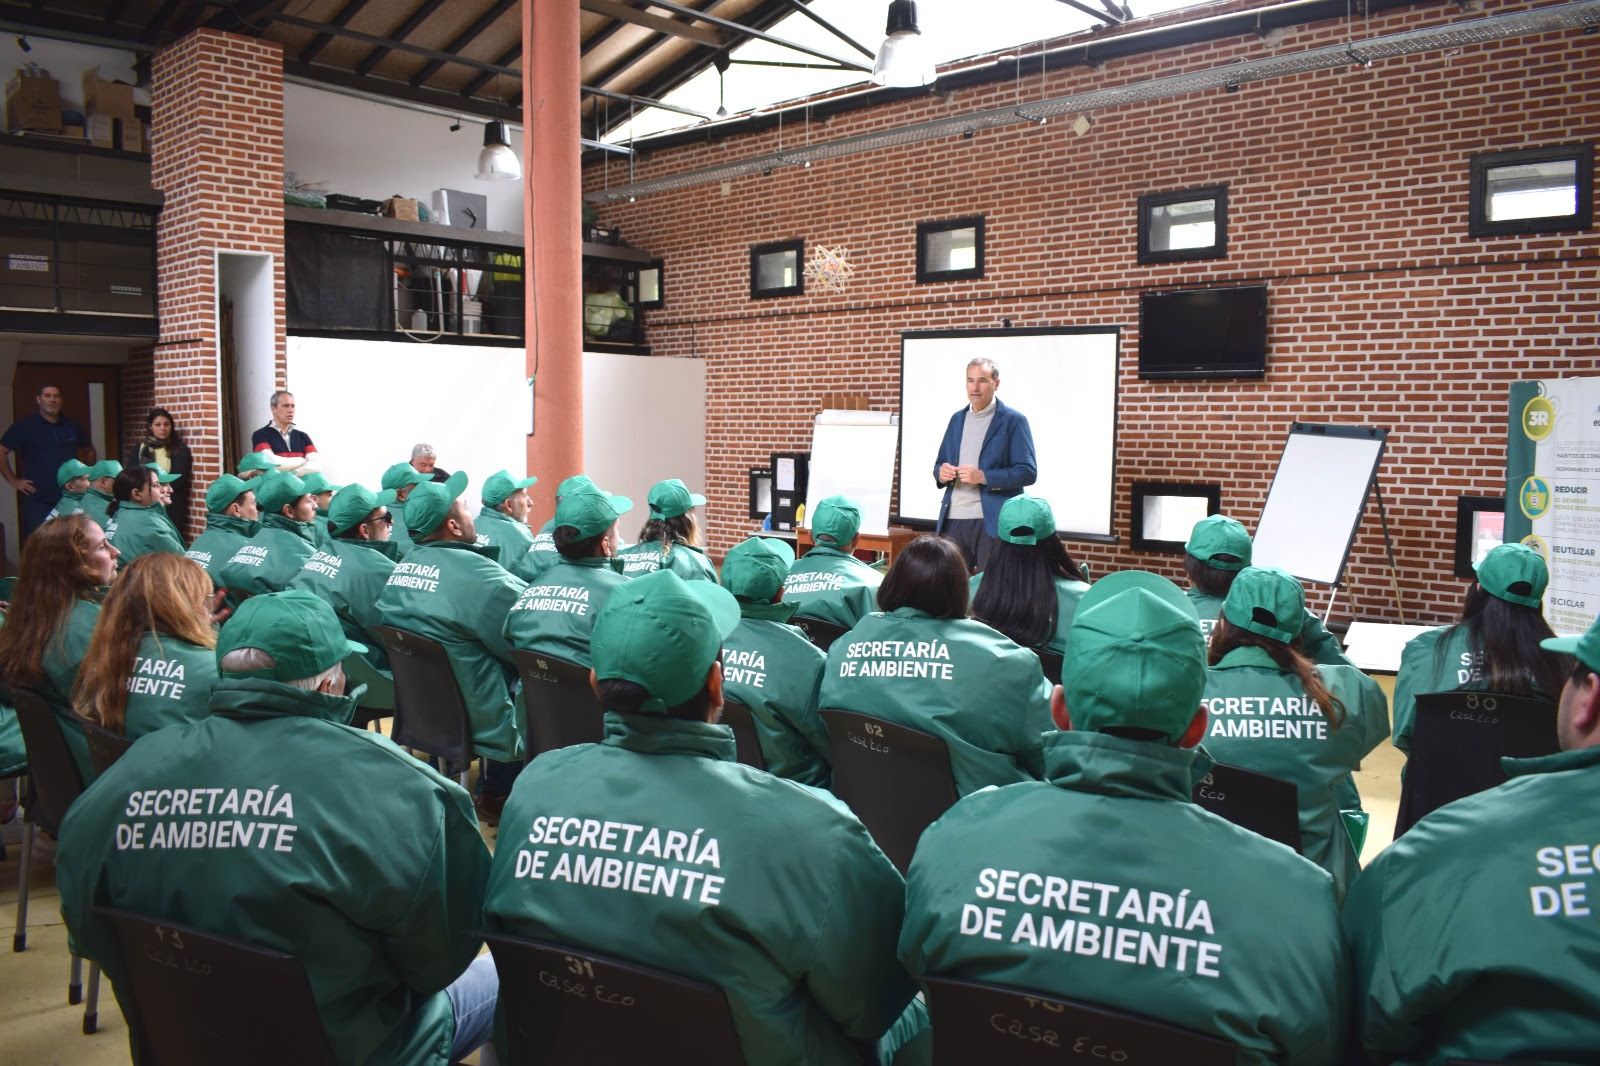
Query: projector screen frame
[(1114, 331), (1211, 491), (1376, 434)]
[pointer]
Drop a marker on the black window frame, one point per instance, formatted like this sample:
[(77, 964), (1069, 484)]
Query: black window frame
[(798, 247), (1218, 249), (1478, 222), (926, 276)]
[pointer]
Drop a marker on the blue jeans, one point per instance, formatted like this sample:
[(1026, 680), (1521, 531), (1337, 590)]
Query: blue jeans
[(498, 777), (472, 1000)]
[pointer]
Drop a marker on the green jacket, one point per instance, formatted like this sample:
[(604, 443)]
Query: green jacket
[(556, 612), (685, 560), (774, 670), (498, 529), (1068, 593), (1106, 884), (644, 846), (13, 754), (68, 504), (223, 537), (1439, 660), (94, 504), (1322, 646), (374, 877), (832, 585), (449, 592), (61, 662), (955, 678), (1262, 720), (1474, 937), (137, 530), (350, 576), (399, 536), (271, 558), (541, 554), (171, 684)]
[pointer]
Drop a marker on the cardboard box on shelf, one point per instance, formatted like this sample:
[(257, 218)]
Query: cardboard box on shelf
[(130, 136), (112, 98), (101, 131), (33, 102), (401, 207)]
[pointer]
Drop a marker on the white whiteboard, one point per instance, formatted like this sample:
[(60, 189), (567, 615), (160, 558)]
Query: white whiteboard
[(852, 454), (1316, 500), (1063, 380)]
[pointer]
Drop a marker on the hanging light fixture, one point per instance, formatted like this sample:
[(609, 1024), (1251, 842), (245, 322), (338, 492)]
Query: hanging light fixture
[(497, 162), (903, 61)]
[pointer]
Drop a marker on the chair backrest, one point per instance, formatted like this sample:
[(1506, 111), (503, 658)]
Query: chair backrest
[(1458, 741), (200, 999), (105, 747), (378, 700), (429, 713), (737, 716), (566, 1006), (56, 780), (562, 707), (818, 632), (896, 779), (1050, 662), (1262, 804), (981, 1023)]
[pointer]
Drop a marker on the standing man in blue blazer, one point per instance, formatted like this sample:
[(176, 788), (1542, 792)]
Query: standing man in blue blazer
[(985, 459)]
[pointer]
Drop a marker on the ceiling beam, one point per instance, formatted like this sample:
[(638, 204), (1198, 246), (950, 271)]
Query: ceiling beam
[(1109, 18), (443, 100), (805, 10), (322, 40), (659, 23), (760, 35), (242, 14), (415, 19), (389, 44), (466, 37), (504, 59)]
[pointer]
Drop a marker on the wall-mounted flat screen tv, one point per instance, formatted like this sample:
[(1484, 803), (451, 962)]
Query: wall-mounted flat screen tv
[(1203, 333)]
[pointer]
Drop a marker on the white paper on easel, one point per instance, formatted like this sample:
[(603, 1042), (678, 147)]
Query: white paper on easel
[(852, 455), (783, 476)]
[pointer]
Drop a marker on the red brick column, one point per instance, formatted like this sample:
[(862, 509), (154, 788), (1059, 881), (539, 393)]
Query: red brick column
[(216, 137)]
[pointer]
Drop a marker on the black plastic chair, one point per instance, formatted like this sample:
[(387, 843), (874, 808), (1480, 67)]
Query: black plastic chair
[(1266, 805), (818, 632), (748, 746), (975, 1024), (429, 712), (105, 747), (54, 784), (562, 707), (1458, 741), (1050, 663), (199, 999), (567, 1006), (896, 779)]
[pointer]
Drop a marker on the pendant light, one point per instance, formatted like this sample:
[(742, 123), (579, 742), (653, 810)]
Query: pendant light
[(497, 161), (903, 61)]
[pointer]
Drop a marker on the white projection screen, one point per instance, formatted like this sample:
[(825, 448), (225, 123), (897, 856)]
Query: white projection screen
[(1317, 496), (1064, 381)]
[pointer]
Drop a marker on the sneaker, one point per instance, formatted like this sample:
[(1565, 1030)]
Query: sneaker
[(489, 808)]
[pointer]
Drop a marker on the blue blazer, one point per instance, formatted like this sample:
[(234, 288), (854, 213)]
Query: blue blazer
[(1006, 460)]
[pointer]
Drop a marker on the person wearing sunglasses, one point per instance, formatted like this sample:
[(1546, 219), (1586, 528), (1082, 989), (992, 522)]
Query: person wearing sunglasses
[(350, 569)]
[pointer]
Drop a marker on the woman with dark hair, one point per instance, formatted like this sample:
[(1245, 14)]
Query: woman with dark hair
[(137, 525), (1032, 587), (921, 662), (65, 567), (164, 446), (670, 539), (1278, 713), (1492, 647)]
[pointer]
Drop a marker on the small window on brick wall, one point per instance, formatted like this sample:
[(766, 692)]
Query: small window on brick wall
[(1537, 190), (950, 251), (1175, 227), (775, 269)]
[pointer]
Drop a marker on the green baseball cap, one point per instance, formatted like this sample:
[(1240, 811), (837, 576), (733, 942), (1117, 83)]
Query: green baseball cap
[(590, 511), (297, 628), (671, 498), (70, 469), (1026, 520), (1514, 573), (755, 568), (276, 491), (501, 485), (400, 475), (429, 503), (836, 521), (354, 502), (1586, 647), (105, 468), (221, 493), (1267, 601), (1135, 656), (262, 460), (318, 483), (161, 475), (1216, 535), (662, 633), (575, 483)]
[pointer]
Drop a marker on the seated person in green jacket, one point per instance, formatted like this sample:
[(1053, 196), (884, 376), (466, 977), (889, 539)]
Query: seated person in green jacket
[(1106, 884), (136, 522), (97, 499), (767, 888), (322, 490), (1474, 936), (503, 522), (670, 539), (1492, 647), (542, 553), (556, 612), (402, 478), (829, 582), (350, 570), (232, 518), (1032, 587), (769, 666), (73, 479), (286, 539), (273, 822), (255, 465)]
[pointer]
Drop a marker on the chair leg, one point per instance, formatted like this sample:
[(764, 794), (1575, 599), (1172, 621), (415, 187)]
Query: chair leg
[(75, 983), (19, 939), (91, 1007)]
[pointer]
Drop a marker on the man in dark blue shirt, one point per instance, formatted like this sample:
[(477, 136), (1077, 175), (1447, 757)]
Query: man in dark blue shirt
[(292, 447), (42, 441)]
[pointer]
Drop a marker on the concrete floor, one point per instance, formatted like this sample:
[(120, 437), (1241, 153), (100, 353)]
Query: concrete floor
[(42, 1030)]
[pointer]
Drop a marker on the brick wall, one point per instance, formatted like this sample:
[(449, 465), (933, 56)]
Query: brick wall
[(1347, 194), (217, 156), (138, 397)]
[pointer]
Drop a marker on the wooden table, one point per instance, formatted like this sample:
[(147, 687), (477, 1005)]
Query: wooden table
[(890, 544)]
